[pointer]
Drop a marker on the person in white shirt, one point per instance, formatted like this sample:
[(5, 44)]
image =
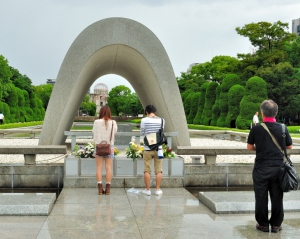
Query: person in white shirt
[(103, 129), (151, 124), (255, 118), (1, 118)]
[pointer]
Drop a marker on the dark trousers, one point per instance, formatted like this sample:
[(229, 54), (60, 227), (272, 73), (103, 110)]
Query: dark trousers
[(266, 180)]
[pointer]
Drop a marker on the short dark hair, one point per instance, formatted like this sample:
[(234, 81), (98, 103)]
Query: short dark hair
[(150, 109), (269, 108)]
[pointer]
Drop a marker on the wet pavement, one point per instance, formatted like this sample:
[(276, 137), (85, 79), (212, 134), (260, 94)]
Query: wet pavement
[(81, 213)]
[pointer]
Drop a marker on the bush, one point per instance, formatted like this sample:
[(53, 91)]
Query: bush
[(228, 81), (255, 93), (194, 107), (235, 95), (216, 109), (187, 104), (210, 97), (199, 116)]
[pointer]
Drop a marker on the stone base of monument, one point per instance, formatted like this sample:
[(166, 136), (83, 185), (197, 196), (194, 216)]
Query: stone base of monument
[(122, 182), (26, 204), (243, 201), (122, 166)]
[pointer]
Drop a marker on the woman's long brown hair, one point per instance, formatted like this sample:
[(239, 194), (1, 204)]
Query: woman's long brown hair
[(105, 113)]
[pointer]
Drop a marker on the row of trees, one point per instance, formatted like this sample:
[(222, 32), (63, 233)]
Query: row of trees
[(221, 85), (18, 99)]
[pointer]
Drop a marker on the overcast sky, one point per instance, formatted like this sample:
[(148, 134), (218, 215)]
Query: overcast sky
[(35, 35)]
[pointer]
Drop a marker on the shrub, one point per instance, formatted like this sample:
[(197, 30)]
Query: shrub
[(216, 109), (255, 93), (194, 107), (235, 95), (199, 116), (210, 97), (228, 81)]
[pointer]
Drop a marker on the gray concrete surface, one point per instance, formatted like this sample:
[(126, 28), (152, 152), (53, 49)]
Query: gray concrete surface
[(115, 46), (243, 202), (26, 204), (81, 213)]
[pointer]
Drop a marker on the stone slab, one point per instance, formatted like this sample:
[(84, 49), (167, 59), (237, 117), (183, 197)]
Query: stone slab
[(121, 182), (26, 204), (243, 201)]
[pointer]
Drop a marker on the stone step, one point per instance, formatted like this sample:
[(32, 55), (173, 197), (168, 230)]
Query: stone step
[(243, 201), (26, 204)]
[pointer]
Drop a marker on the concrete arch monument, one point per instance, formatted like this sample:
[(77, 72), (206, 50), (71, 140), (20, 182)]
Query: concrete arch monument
[(115, 46)]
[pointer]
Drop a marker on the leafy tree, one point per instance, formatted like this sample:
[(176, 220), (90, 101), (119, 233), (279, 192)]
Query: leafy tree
[(210, 97), (293, 52), (88, 107), (216, 108), (255, 93), (5, 75), (43, 92), (228, 81), (267, 36), (269, 42), (190, 81), (235, 95), (223, 65), (132, 105), (199, 116), (282, 84), (21, 81), (116, 98)]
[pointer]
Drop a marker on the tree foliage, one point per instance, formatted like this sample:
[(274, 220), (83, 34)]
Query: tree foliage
[(199, 115), (43, 92), (235, 95), (210, 97), (228, 81), (255, 93)]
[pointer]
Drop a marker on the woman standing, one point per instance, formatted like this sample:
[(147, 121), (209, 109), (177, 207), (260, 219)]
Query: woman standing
[(104, 129)]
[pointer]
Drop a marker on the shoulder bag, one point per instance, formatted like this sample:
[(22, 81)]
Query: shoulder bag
[(154, 140), (103, 149), (288, 176)]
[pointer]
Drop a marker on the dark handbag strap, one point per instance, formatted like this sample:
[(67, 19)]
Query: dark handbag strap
[(112, 126), (286, 158), (161, 127), (283, 151)]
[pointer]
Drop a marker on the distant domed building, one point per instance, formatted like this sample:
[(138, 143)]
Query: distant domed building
[(99, 97)]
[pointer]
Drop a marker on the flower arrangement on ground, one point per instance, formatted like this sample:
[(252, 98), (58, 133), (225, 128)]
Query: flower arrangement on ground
[(84, 151), (134, 151), (168, 152), (87, 150)]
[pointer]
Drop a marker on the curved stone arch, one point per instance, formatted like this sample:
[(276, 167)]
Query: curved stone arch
[(115, 46)]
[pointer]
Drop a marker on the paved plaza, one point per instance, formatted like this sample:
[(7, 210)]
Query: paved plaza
[(81, 213)]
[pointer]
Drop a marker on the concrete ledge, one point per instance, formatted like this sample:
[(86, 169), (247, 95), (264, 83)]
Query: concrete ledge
[(121, 182), (31, 176), (26, 204), (243, 202)]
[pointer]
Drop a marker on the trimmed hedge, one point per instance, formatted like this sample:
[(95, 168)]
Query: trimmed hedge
[(199, 116), (215, 108), (210, 97), (194, 107), (255, 93), (235, 95), (228, 81)]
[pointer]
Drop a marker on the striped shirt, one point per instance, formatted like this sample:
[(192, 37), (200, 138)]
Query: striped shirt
[(150, 125)]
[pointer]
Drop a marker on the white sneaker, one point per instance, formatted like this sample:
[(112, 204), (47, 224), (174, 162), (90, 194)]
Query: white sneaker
[(146, 192), (158, 192)]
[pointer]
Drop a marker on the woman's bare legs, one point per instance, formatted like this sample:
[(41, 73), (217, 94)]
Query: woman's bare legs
[(99, 163), (108, 165)]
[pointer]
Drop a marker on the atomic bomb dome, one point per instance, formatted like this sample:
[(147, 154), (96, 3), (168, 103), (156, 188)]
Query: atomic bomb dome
[(99, 97)]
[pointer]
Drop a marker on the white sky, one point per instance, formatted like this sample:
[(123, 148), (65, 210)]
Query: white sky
[(35, 35)]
